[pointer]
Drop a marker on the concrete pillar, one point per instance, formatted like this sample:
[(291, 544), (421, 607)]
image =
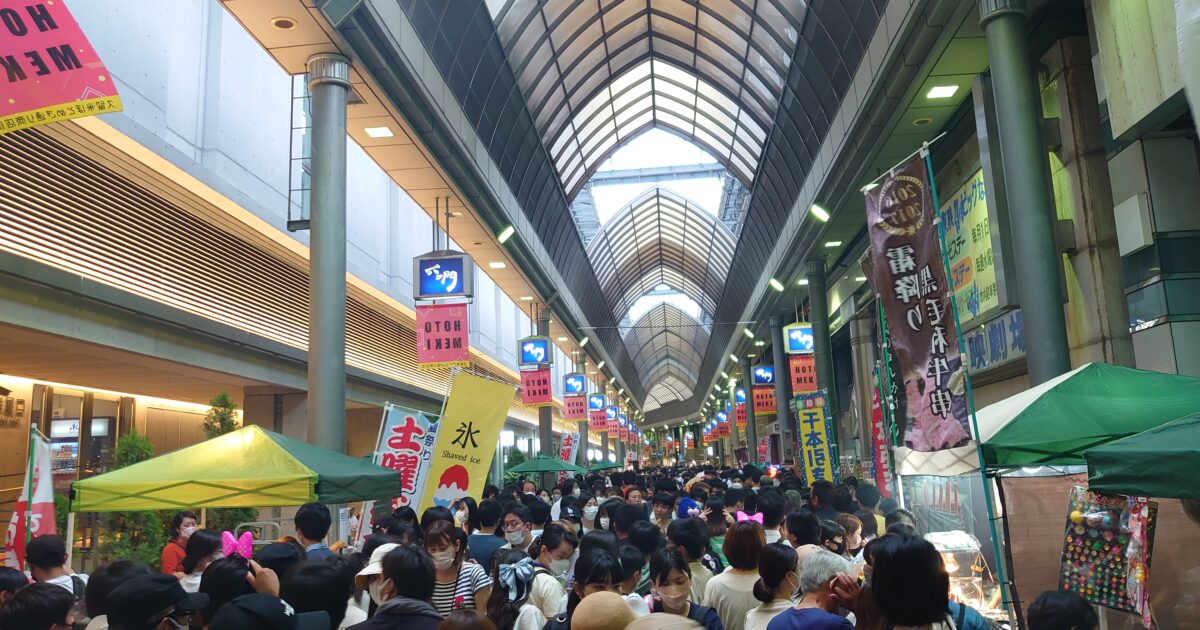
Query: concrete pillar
[(751, 420), (582, 459), (604, 446), (736, 437), (1027, 183), (862, 353), (328, 83), (1097, 307), (822, 344), (783, 389), (545, 431)]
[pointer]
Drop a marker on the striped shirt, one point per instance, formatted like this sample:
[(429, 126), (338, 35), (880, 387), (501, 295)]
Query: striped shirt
[(471, 578)]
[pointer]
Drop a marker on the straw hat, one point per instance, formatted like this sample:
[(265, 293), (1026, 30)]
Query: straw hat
[(664, 621), (602, 611)]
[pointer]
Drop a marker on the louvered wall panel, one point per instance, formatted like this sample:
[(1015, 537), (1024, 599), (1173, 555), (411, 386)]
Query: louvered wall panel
[(62, 208)]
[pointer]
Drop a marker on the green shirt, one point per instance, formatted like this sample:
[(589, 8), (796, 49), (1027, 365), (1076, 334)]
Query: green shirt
[(715, 543)]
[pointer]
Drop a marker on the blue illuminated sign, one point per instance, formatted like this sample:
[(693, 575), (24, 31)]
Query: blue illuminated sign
[(611, 413), (596, 402), (622, 419), (764, 375), (573, 384), (534, 351), (739, 395), (443, 275), (799, 338), (722, 416)]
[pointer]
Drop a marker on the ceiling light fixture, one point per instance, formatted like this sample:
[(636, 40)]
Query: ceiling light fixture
[(734, 358), (833, 243), (505, 234), (760, 343), (723, 374), (526, 298), (802, 282), (860, 278), (497, 264), (775, 284), (819, 213), (562, 339), (378, 132), (283, 23), (600, 365), (746, 331), (942, 91), (583, 342)]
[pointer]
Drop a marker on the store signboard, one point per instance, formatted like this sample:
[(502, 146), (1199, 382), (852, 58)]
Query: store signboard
[(443, 336), (69, 428), (535, 387), (995, 343), (597, 402), (611, 418), (574, 407), (53, 73), (739, 395), (443, 275), (798, 338), (763, 375), (803, 370), (574, 383), (969, 248), (815, 438), (535, 350), (740, 416), (764, 399)]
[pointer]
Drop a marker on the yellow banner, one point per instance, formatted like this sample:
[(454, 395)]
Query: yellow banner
[(815, 437), (467, 438)]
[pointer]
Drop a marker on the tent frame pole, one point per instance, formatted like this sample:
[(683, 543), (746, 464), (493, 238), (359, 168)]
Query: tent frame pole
[(997, 541)]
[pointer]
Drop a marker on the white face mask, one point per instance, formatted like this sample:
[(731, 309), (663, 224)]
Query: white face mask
[(376, 590), (186, 532), (460, 517), (575, 492), (590, 511), (515, 538), (604, 522), (735, 485), (443, 560), (559, 567)]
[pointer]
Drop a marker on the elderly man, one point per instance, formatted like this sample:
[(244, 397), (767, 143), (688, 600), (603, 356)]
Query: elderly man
[(818, 605)]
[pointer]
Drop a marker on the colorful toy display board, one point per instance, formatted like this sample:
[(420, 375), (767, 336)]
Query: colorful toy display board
[(1106, 553)]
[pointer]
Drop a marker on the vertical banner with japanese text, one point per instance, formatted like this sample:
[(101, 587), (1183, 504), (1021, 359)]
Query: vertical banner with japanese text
[(764, 450), (568, 452), (53, 72), (468, 432), (815, 437), (803, 369), (443, 336), (33, 513), (879, 446), (535, 387), (406, 446), (909, 277)]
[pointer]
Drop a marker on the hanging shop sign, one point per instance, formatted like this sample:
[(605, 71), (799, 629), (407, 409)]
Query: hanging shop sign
[(574, 407), (568, 452), (443, 275), (798, 338), (815, 438), (574, 384), (689, 442), (53, 73), (739, 395), (466, 440), (908, 275), (406, 440), (764, 398), (740, 416), (597, 402), (534, 350), (803, 370), (763, 375), (443, 336), (536, 390), (969, 249), (879, 447), (611, 422)]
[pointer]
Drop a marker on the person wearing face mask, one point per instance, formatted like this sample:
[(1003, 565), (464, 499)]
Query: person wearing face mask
[(833, 537), (459, 584), (589, 510), (466, 515), (778, 581), (608, 510), (551, 552), (403, 591), (517, 523), (173, 552), (819, 604), (203, 546), (370, 578), (598, 570), (671, 586)]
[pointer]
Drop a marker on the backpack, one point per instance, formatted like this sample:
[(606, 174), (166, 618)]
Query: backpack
[(79, 608)]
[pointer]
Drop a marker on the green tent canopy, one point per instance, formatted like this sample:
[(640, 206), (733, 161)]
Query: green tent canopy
[(546, 463), (603, 465), (250, 467), (1159, 462)]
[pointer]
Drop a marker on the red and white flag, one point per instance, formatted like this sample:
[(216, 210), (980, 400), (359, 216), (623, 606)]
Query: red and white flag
[(38, 517)]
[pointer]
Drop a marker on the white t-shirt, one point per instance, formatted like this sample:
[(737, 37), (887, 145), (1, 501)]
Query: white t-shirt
[(530, 618), (761, 615), (731, 594), (548, 594), (471, 578), (66, 582), (354, 615), (772, 535), (191, 582)]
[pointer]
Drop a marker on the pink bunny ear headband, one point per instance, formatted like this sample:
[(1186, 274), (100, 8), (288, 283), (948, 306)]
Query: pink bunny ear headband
[(242, 545)]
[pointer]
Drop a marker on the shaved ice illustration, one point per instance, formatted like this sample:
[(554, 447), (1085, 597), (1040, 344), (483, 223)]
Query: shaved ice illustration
[(452, 486)]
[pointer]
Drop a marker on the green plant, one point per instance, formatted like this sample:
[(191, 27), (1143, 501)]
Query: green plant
[(132, 535), (61, 507), (220, 418), (131, 449), (513, 458)]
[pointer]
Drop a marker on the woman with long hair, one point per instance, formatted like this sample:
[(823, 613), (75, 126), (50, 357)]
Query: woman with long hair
[(458, 584), (551, 553), (464, 515), (203, 547), (512, 583), (715, 517), (597, 570), (778, 581)]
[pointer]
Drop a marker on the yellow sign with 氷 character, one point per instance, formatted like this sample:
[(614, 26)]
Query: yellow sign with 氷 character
[(466, 439), (972, 271)]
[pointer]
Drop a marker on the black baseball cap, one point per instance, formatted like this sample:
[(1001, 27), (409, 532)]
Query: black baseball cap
[(266, 612), (570, 513), (146, 599)]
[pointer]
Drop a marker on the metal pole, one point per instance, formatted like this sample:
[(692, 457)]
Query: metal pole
[(862, 351), (822, 345), (733, 428), (783, 390), (751, 420), (328, 83), (546, 414), (582, 458), (1027, 182)]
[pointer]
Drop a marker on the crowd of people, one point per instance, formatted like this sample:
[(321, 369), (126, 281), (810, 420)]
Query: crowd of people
[(719, 549)]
